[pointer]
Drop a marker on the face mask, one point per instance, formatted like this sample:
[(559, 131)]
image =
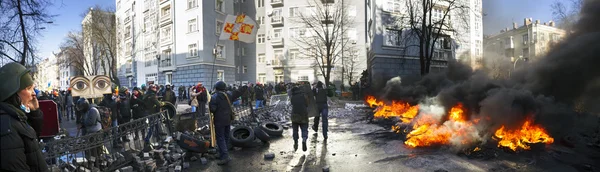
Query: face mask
[(25, 108)]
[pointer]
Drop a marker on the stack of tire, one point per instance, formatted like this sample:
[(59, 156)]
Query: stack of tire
[(244, 136)]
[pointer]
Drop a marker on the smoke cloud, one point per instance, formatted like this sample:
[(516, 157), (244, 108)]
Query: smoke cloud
[(546, 90)]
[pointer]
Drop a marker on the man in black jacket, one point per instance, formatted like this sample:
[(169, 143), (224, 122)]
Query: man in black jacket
[(152, 106), (320, 94), (169, 95), (220, 107), (259, 95), (137, 108), (110, 101), (124, 108)]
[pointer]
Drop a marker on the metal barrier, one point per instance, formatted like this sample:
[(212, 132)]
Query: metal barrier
[(96, 151)]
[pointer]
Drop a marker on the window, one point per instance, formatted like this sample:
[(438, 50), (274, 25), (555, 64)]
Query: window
[(392, 6), (166, 58), (148, 59), (477, 49), (260, 20), (243, 51), (219, 25), (260, 38), (525, 53), (294, 54), (276, 33), (261, 58), (220, 75), (392, 37), (477, 25), (221, 51), (277, 14), (151, 77), (262, 77), (127, 32), (260, 3), (169, 78), (297, 32), (192, 4), (128, 49), (166, 11), (245, 69), (118, 5), (352, 11), (303, 78), (352, 34), (534, 37), (192, 25), (525, 38), (219, 5), (295, 12), (278, 78), (193, 50), (278, 54), (542, 36)]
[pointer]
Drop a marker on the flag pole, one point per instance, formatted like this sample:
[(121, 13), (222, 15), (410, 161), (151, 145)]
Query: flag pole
[(213, 136)]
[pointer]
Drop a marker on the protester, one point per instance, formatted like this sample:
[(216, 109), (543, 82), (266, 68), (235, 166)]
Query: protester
[(220, 106), (152, 106), (124, 106), (20, 121), (90, 123), (110, 101), (200, 95), (299, 117), (137, 108), (259, 95), (320, 94), (169, 95), (69, 105), (181, 91)]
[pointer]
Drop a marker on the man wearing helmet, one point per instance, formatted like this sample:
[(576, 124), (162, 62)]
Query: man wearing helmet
[(220, 107)]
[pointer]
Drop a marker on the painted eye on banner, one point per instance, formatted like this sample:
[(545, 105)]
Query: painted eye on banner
[(80, 84), (101, 84)]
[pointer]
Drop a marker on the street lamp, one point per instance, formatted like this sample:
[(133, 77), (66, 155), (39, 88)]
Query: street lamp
[(512, 59)]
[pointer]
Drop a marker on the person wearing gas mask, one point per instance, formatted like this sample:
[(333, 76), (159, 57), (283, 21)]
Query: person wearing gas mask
[(20, 121)]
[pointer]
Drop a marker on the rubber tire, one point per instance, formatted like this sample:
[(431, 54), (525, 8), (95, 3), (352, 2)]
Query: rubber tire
[(261, 134), (273, 129), (242, 131), (170, 108)]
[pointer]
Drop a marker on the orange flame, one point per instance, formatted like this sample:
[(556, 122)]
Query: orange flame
[(426, 132), (528, 134), (399, 109)]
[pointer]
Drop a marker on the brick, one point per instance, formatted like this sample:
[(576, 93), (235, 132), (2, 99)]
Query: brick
[(126, 169), (269, 156)]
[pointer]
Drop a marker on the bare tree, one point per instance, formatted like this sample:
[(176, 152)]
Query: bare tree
[(326, 23), (100, 39), (351, 66), (497, 66), (20, 23), (71, 54), (566, 14), (431, 24)]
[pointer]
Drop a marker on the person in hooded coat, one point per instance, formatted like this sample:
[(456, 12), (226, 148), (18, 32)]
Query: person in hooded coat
[(299, 103), (21, 121), (221, 108), (137, 108)]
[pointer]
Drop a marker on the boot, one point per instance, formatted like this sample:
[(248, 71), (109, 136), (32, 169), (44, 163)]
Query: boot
[(304, 148), (295, 145), (223, 161)]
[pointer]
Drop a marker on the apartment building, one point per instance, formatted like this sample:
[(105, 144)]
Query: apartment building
[(172, 42), (525, 42), (95, 51), (393, 51), (278, 56)]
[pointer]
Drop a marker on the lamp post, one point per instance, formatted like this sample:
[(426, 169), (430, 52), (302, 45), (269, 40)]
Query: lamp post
[(157, 67), (514, 64)]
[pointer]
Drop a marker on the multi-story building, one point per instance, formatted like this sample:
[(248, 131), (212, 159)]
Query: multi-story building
[(47, 75), (65, 70), (393, 49), (95, 51), (525, 42), (278, 56), (172, 42)]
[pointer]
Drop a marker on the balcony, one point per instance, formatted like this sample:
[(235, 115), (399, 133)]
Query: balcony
[(277, 63), (165, 40), (128, 70), (277, 21), (277, 3), (166, 17), (166, 65), (277, 42)]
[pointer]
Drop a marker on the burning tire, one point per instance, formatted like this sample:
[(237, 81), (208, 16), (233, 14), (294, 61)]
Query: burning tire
[(273, 129), (261, 134), (242, 136)]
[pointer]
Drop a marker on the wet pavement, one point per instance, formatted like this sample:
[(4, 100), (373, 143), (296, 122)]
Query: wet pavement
[(356, 145)]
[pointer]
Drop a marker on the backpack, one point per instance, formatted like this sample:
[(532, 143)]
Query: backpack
[(105, 114)]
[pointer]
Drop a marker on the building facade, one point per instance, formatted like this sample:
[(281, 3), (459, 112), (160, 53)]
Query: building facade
[(525, 42), (393, 49), (47, 75), (172, 42), (95, 51)]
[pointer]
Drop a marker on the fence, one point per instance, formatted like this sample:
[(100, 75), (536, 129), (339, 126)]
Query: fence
[(96, 152)]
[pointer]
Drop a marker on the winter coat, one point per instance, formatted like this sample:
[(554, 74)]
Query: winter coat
[(259, 93), (169, 96), (299, 107), (200, 95), (151, 103), (221, 109), (320, 98), (20, 148), (125, 107), (112, 104), (68, 99), (137, 107), (91, 121)]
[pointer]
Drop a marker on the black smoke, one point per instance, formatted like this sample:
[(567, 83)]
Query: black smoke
[(547, 89)]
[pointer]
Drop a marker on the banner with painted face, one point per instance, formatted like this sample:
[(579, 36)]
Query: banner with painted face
[(90, 86)]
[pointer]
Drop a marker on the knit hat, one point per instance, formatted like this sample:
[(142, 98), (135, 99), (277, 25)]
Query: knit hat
[(26, 81)]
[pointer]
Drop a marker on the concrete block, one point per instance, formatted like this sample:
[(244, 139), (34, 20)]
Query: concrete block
[(126, 169), (186, 165), (326, 169), (178, 168), (204, 161), (269, 156)]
